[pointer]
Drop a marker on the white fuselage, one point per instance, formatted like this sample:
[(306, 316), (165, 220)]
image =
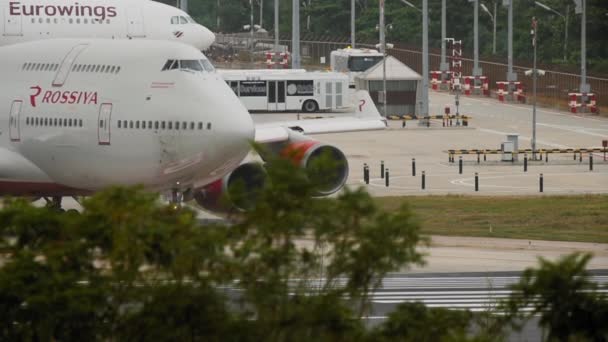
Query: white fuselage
[(77, 116), (27, 20)]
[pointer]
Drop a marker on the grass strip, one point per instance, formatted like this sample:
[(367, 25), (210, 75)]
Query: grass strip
[(561, 218)]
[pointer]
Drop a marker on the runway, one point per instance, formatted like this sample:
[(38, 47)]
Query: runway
[(477, 292)]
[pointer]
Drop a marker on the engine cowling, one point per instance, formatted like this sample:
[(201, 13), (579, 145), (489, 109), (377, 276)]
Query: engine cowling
[(325, 164), (237, 190)]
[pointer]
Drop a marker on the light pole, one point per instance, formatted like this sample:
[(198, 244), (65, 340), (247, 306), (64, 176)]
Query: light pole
[(534, 77), (511, 76), (261, 13), (218, 21), (295, 39), (476, 69), (581, 8), (424, 105), (276, 26), (493, 17), (534, 73), (251, 28), (353, 17), (382, 29), (565, 17), (443, 66), (425, 60)]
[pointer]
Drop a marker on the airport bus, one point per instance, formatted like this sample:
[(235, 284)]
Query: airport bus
[(354, 61), (289, 90)]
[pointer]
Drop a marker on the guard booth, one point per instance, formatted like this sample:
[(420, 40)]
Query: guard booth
[(403, 87)]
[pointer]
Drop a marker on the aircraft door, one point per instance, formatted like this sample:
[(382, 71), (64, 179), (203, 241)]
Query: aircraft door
[(104, 124), (12, 24), (135, 23), (66, 65), (14, 124)]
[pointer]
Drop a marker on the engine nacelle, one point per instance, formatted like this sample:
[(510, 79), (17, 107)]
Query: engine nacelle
[(237, 190), (330, 176)]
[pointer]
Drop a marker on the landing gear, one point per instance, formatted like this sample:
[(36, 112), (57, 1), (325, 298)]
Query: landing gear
[(54, 203), (177, 198)]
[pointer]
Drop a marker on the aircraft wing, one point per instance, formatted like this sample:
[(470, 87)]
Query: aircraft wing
[(365, 118)]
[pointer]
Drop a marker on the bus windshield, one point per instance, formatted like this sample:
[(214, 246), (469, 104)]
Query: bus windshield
[(359, 64)]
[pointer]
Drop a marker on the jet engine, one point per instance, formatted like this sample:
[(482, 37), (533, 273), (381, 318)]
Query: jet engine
[(237, 190), (326, 165)]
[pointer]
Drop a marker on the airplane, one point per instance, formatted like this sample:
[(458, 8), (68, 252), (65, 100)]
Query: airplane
[(27, 20), (92, 113)]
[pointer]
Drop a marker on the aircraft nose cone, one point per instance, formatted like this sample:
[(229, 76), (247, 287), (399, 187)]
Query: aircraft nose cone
[(207, 38)]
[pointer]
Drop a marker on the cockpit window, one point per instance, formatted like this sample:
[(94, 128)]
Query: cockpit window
[(190, 20), (194, 65), (207, 65), (174, 20), (183, 20), (171, 65)]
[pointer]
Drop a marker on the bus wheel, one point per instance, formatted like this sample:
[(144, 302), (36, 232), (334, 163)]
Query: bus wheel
[(310, 106)]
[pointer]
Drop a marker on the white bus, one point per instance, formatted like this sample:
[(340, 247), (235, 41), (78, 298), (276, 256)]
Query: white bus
[(354, 61), (289, 90)]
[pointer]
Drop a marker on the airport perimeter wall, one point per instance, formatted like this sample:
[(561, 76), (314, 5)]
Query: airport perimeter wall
[(552, 90)]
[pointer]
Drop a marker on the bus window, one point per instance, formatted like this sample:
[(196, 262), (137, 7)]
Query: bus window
[(359, 64)]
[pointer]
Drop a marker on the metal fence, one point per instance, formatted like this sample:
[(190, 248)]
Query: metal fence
[(552, 89)]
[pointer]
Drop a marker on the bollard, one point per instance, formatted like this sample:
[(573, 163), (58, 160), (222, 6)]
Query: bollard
[(590, 162), (366, 174), (574, 155), (451, 123), (460, 165), (485, 157), (525, 163), (423, 180), (382, 169), (580, 157), (413, 167), (443, 121), (403, 124), (476, 181), (387, 178), (478, 158), (541, 183), (546, 157)]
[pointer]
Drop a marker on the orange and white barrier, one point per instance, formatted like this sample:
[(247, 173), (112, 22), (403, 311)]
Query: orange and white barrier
[(436, 79), (435, 75), (470, 85), (504, 90), (282, 57), (576, 102)]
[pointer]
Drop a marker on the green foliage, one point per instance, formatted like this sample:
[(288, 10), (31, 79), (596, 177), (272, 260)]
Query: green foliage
[(417, 323), (128, 267), (563, 295)]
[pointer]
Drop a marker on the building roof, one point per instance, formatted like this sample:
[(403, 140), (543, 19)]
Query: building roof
[(395, 71)]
